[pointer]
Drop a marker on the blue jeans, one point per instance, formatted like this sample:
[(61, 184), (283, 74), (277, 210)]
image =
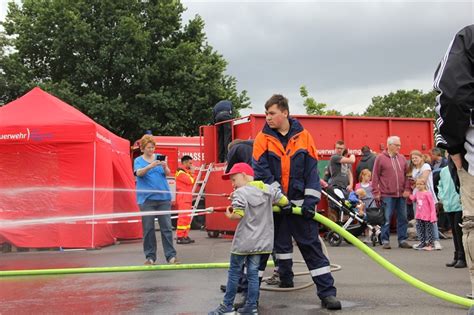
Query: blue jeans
[(399, 205), (236, 263), (166, 229)]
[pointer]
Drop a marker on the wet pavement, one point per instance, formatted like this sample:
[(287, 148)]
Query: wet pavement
[(363, 286)]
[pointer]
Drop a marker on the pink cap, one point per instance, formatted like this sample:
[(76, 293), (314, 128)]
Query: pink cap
[(239, 168)]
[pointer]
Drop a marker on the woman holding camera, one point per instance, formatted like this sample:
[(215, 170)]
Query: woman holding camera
[(153, 194)]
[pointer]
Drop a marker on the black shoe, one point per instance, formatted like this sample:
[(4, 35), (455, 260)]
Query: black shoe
[(460, 264), (331, 303), (451, 264), (223, 288), (189, 239), (286, 285), (182, 240)]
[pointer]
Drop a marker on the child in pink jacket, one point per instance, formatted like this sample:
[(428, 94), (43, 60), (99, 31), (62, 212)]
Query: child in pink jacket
[(425, 215)]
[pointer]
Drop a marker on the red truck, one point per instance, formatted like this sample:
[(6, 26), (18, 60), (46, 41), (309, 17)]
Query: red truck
[(174, 148), (415, 133)]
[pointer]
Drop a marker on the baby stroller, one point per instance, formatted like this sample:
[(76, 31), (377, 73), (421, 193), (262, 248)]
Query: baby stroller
[(355, 224)]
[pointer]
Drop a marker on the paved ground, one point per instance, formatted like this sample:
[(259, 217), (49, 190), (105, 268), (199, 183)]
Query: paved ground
[(363, 286)]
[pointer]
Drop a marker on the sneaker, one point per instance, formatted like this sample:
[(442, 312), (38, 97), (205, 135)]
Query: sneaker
[(470, 296), (173, 261), (190, 240), (437, 245), (241, 304), (149, 261), (274, 279), (182, 240), (428, 248), (404, 245), (331, 303), (416, 245), (419, 246), (248, 310), (386, 246), (222, 310)]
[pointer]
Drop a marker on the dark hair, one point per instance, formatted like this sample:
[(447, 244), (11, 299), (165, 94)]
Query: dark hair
[(365, 149), (234, 142), (185, 158), (280, 101), (340, 142)]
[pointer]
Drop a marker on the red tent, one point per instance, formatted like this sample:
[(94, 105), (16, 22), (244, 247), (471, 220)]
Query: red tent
[(55, 161)]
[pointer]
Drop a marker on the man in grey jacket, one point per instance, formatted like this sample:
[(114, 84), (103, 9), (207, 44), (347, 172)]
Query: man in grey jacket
[(454, 80)]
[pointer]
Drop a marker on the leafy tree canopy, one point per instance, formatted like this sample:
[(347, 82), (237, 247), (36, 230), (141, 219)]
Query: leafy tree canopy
[(315, 108), (130, 65), (403, 103)]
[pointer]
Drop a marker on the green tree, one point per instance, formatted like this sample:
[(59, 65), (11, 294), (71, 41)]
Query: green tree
[(353, 114), (403, 103), (315, 108), (332, 112), (129, 65)]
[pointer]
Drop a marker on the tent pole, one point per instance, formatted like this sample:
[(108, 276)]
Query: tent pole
[(93, 190)]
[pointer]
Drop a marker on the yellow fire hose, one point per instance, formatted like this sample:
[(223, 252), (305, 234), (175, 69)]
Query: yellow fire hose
[(388, 265), (296, 210)]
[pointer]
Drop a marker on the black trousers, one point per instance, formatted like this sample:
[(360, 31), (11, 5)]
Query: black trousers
[(454, 219), (224, 137)]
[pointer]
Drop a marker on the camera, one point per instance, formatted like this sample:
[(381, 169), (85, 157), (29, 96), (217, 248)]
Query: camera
[(160, 157)]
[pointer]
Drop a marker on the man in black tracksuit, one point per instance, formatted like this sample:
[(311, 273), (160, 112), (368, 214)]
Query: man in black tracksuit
[(223, 111), (454, 80)]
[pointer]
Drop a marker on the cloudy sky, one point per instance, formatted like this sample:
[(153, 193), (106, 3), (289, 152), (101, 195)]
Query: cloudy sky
[(345, 52)]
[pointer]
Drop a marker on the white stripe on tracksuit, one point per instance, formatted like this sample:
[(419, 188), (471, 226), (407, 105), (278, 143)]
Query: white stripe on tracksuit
[(284, 256), (439, 122), (320, 271), (469, 143)]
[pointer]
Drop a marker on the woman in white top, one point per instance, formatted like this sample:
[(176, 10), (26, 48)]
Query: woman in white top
[(420, 169)]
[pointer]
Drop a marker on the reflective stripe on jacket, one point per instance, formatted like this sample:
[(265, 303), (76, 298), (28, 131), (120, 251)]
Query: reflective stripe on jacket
[(294, 168), (184, 186)]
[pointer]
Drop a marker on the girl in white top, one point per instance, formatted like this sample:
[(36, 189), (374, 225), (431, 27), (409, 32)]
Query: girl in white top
[(419, 169)]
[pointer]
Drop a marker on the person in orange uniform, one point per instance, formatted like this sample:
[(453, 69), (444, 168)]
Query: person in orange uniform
[(184, 199)]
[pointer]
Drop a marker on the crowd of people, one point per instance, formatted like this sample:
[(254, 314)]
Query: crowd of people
[(413, 189), (422, 183), (282, 170)]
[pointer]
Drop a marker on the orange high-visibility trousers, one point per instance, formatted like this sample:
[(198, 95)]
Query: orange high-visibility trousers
[(184, 220)]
